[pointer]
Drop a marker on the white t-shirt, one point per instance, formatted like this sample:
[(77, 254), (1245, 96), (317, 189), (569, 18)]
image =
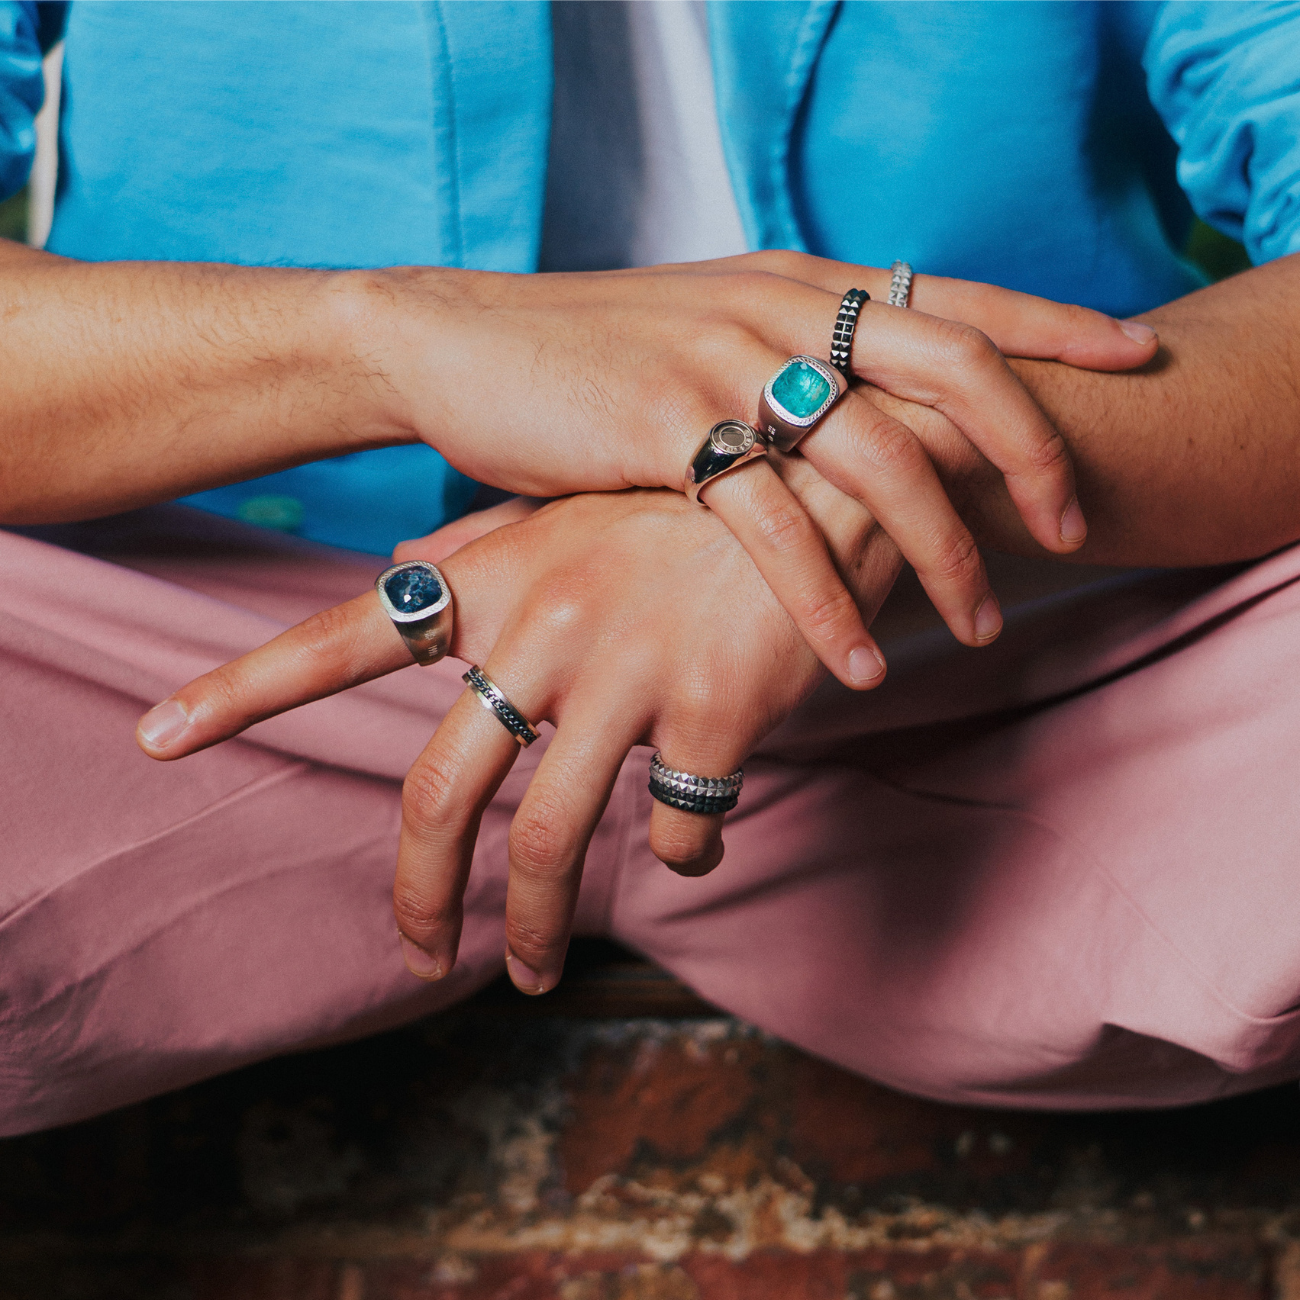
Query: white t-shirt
[(636, 172)]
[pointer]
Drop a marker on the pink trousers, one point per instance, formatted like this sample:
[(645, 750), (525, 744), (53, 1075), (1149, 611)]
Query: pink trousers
[(1062, 872)]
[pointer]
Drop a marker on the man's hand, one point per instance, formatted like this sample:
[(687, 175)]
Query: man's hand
[(629, 618)]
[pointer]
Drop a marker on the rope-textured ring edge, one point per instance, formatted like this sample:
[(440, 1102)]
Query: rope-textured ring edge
[(493, 699), (845, 323), (900, 284)]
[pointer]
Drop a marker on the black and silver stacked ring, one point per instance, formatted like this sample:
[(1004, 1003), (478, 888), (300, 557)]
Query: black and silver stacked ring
[(795, 398), (493, 699), (845, 324), (730, 444), (416, 597), (900, 284), (694, 794)]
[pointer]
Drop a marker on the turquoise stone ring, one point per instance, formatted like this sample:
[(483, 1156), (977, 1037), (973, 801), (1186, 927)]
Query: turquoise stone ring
[(416, 597), (795, 398)]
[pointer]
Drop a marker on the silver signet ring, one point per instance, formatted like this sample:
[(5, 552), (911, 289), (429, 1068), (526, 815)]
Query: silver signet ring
[(416, 597)]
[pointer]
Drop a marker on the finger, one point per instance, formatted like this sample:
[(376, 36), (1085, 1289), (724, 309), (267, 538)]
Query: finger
[(881, 462), (437, 546), (1020, 324), (443, 799), (331, 651), (790, 552), (957, 370), (552, 830), (703, 745)]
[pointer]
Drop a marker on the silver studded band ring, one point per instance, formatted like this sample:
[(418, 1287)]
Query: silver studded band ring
[(845, 323), (493, 699), (900, 284), (730, 444), (694, 794), (416, 597), (796, 398)]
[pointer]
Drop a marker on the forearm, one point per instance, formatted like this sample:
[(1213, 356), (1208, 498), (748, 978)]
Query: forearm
[(128, 383), (1195, 459)]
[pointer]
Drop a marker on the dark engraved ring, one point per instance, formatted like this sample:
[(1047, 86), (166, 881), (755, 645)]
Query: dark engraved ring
[(493, 699), (694, 794), (416, 597)]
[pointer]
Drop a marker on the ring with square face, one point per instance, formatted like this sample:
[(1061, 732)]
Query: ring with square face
[(730, 444), (795, 398), (416, 597)]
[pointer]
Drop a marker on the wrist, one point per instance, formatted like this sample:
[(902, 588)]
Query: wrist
[(386, 330)]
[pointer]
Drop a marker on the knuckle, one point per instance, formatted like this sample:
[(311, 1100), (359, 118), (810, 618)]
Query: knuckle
[(963, 345), (1050, 456), (539, 846), (782, 527), (959, 559), (824, 613), (526, 939), (418, 916), (778, 261), (428, 793), (892, 447)]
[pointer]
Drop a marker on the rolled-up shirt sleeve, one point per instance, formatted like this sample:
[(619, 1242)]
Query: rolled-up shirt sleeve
[(1226, 80), (22, 88)]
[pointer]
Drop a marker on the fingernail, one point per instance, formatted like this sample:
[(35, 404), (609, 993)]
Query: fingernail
[(1138, 332), (988, 618), (419, 962), (163, 724), (1074, 527), (865, 665), (524, 978)]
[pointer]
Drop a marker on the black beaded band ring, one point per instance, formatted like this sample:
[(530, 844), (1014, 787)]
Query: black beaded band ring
[(416, 597), (845, 323), (493, 699), (900, 284), (694, 794)]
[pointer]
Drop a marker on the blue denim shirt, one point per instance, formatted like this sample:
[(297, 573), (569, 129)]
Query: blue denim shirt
[(1058, 148)]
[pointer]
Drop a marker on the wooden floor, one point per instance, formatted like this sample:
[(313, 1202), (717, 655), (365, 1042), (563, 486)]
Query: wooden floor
[(619, 1140)]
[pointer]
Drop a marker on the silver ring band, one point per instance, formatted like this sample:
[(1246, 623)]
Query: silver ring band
[(416, 597), (493, 699), (730, 444), (796, 398), (706, 795), (845, 324), (900, 284)]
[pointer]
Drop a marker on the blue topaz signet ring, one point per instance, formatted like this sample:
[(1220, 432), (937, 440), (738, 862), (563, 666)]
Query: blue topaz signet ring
[(795, 398), (416, 597), (730, 444)]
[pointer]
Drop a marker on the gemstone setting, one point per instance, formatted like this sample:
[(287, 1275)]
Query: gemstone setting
[(802, 391), (412, 592)]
